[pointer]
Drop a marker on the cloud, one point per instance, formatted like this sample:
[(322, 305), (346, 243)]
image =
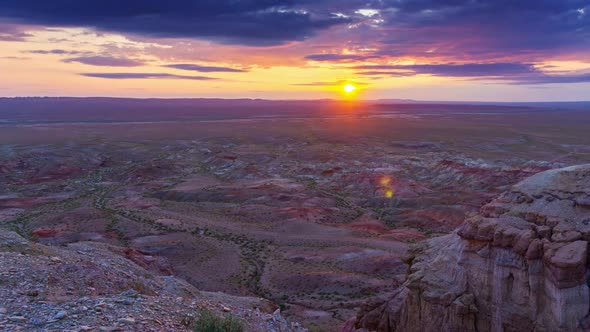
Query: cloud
[(329, 83), (337, 57), (247, 22), (512, 73), (107, 61), (127, 76), (467, 30), (482, 31), (205, 69), (453, 70), (386, 73), (10, 32), (488, 28), (54, 51), (14, 58), (553, 79)]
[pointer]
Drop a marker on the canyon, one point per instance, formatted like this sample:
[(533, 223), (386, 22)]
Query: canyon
[(313, 209)]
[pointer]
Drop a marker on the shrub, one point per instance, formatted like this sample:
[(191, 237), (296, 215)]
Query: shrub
[(209, 322)]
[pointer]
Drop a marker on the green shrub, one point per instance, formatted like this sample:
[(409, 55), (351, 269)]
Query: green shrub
[(209, 322)]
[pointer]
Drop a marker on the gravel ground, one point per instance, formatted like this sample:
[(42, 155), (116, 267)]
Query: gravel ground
[(89, 287)]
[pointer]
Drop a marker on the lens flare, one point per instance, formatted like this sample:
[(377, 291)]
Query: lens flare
[(389, 193)]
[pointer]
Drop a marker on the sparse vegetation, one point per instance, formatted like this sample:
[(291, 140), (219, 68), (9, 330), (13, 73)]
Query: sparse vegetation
[(211, 322)]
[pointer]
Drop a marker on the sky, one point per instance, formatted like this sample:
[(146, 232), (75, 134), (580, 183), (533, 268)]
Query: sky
[(453, 50)]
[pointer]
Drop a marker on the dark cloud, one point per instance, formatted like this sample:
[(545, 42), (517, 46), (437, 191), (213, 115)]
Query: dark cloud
[(488, 28), (205, 69), (453, 30), (485, 30), (127, 76), (463, 30), (249, 22), (107, 61)]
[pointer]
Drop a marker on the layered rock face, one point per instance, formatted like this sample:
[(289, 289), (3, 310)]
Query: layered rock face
[(520, 265)]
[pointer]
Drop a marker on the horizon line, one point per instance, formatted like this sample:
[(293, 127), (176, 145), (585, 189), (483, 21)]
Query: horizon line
[(401, 100)]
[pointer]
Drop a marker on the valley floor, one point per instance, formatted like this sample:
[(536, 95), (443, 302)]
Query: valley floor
[(313, 215)]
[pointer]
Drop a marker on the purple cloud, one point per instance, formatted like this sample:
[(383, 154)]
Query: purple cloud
[(127, 76), (106, 61), (553, 79), (452, 70), (389, 73), (512, 73), (205, 69), (54, 51), (337, 57), (10, 32)]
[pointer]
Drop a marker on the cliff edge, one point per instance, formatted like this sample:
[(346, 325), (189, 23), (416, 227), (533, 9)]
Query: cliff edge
[(521, 265)]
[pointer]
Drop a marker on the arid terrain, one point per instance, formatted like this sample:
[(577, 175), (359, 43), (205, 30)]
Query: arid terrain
[(310, 205)]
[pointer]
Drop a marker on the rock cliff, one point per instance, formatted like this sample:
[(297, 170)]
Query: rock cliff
[(521, 265)]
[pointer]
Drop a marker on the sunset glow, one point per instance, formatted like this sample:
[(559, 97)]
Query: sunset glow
[(296, 51)]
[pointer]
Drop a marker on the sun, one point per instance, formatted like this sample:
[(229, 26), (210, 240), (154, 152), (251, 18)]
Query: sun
[(349, 88)]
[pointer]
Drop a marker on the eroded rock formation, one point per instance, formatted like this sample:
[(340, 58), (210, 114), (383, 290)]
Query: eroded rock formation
[(521, 265)]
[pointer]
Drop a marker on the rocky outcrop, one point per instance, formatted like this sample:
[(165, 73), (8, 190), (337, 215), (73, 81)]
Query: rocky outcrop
[(89, 286), (521, 265)]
